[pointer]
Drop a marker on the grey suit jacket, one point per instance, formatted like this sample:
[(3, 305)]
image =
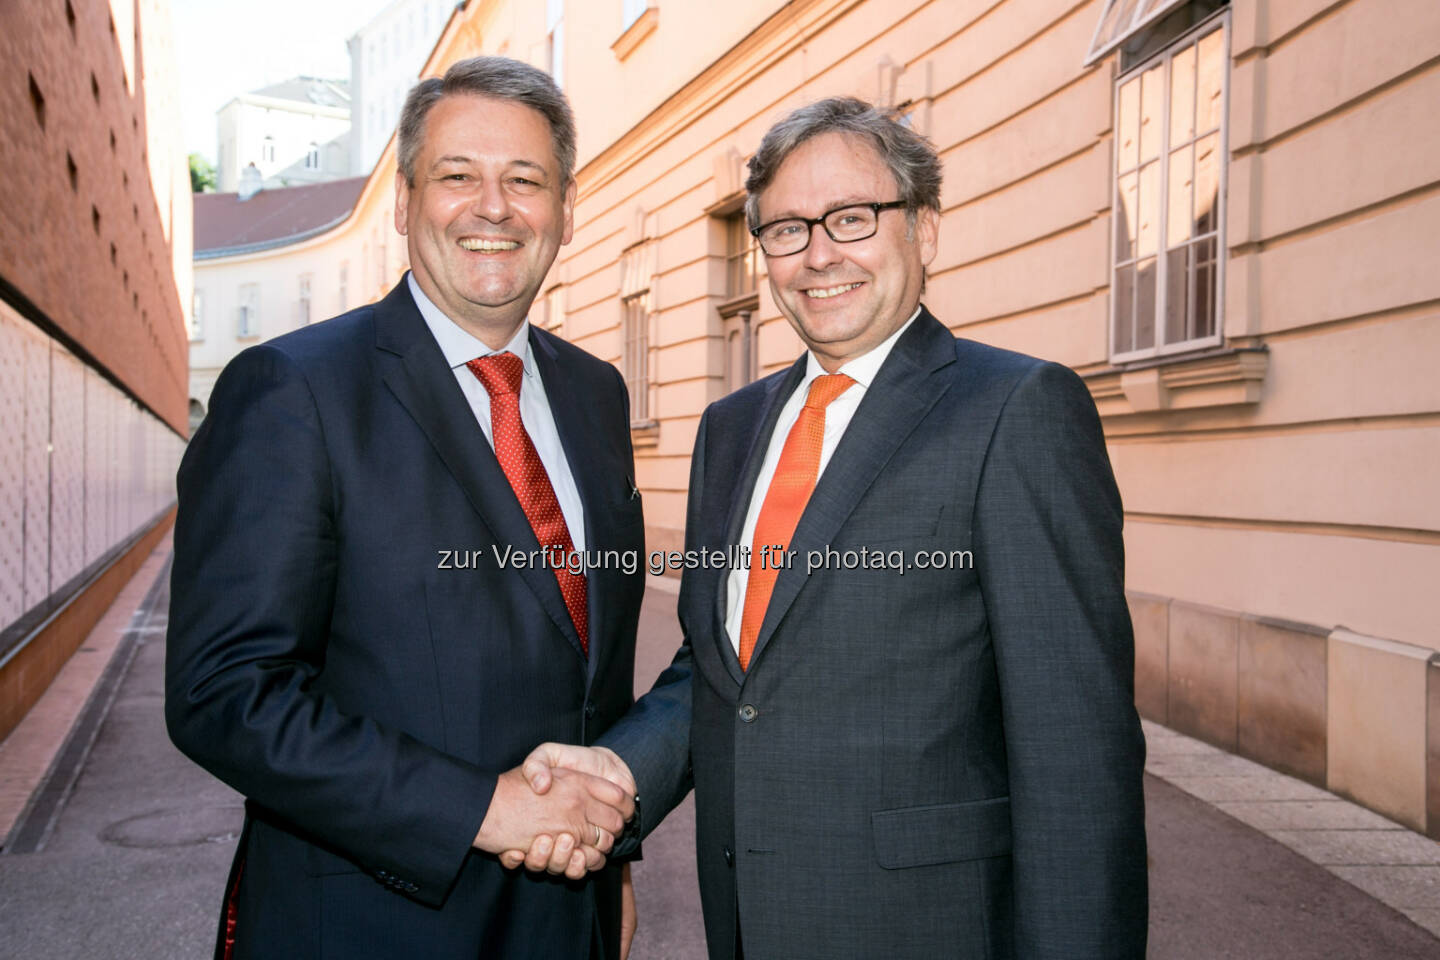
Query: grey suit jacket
[(935, 759)]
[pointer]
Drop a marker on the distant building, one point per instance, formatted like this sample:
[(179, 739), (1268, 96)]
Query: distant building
[(293, 133), (94, 272), (279, 260), (385, 60)]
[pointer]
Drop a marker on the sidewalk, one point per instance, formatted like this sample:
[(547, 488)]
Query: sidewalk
[(1245, 862)]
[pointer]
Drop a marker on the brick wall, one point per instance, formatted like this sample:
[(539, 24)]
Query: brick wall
[(83, 243)]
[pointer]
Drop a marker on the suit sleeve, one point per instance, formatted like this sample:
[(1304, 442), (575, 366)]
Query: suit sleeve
[(653, 738), (1050, 559), (251, 594)]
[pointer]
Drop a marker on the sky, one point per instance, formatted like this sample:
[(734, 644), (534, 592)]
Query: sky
[(229, 47)]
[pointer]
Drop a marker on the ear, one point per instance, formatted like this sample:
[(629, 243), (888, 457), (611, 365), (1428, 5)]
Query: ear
[(568, 205), (927, 234), (402, 204)]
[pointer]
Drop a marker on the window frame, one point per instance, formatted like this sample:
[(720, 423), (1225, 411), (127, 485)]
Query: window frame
[(1158, 10), (306, 285), (247, 326), (635, 314), (1192, 37), (736, 227), (555, 40), (197, 315)]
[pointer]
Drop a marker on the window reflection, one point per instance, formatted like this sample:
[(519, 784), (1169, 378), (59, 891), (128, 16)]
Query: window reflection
[(1168, 166)]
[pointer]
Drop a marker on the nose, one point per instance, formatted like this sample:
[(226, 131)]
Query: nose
[(822, 251), (490, 201)]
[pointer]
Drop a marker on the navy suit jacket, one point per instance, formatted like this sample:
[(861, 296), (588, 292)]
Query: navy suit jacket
[(329, 662), (939, 758)]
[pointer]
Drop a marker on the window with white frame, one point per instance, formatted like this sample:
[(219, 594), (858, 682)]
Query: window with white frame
[(197, 316), (1169, 181), (305, 316), (555, 29), (267, 150), (312, 156), (248, 312)]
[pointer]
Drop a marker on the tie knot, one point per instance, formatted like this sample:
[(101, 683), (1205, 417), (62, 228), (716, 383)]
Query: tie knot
[(499, 372), (826, 388)]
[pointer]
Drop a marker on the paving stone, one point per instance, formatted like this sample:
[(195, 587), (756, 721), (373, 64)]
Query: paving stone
[(1404, 888), (1204, 765), (1270, 815), (1263, 787), (1427, 917), (1361, 847)]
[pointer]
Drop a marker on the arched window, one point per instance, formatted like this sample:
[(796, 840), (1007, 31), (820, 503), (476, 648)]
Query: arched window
[(312, 157)]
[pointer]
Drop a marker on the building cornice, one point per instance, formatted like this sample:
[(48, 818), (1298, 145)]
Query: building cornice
[(293, 106), (786, 30)]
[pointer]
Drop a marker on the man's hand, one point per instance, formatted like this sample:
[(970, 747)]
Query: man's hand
[(574, 804), (545, 765), (597, 761)]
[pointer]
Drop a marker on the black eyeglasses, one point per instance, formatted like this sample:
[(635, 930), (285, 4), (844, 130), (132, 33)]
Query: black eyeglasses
[(854, 221)]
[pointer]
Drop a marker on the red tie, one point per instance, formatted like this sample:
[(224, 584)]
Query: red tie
[(501, 374), (790, 490)]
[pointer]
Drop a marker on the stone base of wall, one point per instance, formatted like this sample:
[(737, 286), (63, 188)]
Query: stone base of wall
[(28, 673), (663, 538), (1357, 715)]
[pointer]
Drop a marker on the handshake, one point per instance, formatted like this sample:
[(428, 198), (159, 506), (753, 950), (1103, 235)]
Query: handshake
[(559, 811)]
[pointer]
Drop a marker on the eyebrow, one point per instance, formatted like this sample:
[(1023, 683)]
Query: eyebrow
[(462, 159), (845, 201)]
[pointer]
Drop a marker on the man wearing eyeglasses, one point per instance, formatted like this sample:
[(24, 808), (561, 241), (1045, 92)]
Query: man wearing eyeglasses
[(914, 737)]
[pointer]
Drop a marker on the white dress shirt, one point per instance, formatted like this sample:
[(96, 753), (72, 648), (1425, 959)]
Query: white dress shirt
[(838, 415), (459, 348)]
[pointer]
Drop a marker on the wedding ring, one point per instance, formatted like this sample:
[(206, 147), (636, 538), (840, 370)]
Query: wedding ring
[(597, 835)]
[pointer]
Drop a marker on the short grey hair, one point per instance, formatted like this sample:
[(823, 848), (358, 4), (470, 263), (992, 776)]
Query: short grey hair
[(499, 78), (909, 156)]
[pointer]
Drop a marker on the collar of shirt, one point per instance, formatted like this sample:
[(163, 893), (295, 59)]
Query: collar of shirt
[(460, 347), (863, 368)]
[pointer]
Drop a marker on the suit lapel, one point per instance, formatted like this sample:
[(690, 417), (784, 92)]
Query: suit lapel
[(776, 391), (415, 371), (902, 393)]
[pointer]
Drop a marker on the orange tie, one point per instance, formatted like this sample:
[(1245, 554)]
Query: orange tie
[(789, 491)]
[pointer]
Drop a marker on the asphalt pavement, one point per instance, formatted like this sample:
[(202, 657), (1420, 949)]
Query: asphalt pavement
[(134, 856)]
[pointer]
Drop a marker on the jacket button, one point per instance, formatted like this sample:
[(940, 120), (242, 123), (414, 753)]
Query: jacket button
[(589, 710), (729, 857), (748, 713)]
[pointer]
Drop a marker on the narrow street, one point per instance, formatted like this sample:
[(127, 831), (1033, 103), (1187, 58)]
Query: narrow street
[(135, 857)]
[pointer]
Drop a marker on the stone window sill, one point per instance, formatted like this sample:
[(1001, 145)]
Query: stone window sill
[(644, 433), (1216, 378)]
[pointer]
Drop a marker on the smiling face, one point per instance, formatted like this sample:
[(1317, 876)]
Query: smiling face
[(487, 212), (844, 299)]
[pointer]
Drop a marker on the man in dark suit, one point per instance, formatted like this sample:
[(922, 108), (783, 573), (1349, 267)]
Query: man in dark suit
[(377, 606), (914, 736)]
